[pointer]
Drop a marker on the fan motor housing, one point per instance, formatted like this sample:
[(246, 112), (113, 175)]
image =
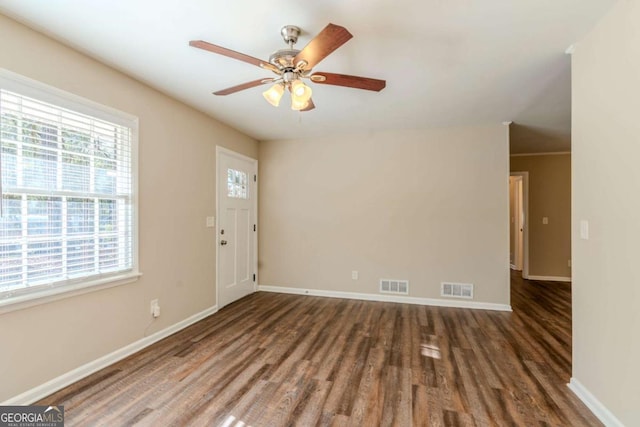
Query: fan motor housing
[(283, 58)]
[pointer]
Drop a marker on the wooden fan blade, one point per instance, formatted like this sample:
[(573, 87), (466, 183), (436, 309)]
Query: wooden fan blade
[(329, 39), (200, 44), (243, 86), (309, 107), (356, 82)]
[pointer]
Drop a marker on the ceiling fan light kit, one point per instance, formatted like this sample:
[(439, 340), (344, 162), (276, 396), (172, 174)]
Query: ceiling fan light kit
[(298, 105), (292, 65), (273, 95), (300, 95)]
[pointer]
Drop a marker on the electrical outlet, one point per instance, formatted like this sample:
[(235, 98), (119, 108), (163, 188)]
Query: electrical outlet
[(354, 274), (584, 229), (155, 308)]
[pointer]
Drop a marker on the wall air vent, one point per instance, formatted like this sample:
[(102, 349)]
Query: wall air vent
[(457, 290), (392, 286)]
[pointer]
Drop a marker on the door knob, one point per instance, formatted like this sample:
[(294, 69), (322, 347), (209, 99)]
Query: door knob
[(223, 242)]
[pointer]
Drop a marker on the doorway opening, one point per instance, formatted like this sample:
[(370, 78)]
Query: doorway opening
[(518, 220)]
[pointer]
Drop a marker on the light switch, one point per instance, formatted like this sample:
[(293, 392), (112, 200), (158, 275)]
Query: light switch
[(211, 221), (584, 229), (545, 220)]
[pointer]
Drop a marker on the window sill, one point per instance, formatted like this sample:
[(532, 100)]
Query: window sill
[(49, 295)]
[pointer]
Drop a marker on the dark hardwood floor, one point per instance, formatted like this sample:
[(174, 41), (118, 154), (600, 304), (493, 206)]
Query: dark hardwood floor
[(279, 360)]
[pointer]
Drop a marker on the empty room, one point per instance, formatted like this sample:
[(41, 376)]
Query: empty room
[(414, 213)]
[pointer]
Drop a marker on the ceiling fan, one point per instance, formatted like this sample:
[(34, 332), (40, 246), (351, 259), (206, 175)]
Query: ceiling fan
[(292, 65)]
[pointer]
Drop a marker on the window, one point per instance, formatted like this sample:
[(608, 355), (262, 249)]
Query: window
[(68, 211), (237, 184)]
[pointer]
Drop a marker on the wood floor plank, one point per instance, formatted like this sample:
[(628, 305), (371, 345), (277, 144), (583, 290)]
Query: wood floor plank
[(309, 407), (256, 412), (281, 360), (288, 395)]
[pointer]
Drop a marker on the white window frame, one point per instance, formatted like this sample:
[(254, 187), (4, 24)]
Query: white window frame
[(31, 88)]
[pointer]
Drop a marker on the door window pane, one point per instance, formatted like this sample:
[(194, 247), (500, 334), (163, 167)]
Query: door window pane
[(237, 184)]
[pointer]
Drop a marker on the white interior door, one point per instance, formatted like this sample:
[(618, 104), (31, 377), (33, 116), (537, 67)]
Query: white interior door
[(520, 230), (236, 230), (517, 222)]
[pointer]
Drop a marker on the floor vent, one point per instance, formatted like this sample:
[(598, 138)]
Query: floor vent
[(388, 286), (457, 290)]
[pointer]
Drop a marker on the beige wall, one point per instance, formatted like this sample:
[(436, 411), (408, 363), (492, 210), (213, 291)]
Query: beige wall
[(549, 196), (606, 176), (177, 192), (427, 206)]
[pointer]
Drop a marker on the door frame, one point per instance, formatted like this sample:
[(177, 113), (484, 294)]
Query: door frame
[(222, 150), (525, 209), (517, 222)]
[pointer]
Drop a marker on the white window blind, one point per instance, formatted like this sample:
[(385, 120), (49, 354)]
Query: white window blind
[(67, 196)]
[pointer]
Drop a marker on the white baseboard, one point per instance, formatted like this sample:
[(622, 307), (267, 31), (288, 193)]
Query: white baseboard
[(387, 298), (44, 390), (598, 409), (550, 278)]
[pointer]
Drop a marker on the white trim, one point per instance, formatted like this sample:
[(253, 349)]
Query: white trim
[(594, 405), (44, 390), (513, 267), (26, 300), (525, 202), (387, 298), (34, 89), (221, 149), (550, 278), (518, 220), (548, 153)]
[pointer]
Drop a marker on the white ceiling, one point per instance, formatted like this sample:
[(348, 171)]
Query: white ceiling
[(446, 62)]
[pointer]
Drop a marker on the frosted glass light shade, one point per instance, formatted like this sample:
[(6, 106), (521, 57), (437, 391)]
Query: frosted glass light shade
[(300, 95), (273, 95), (297, 104), (300, 92)]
